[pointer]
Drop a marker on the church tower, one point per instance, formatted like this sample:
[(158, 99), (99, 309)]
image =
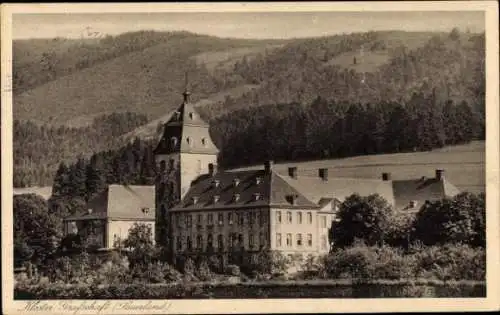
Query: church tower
[(183, 153)]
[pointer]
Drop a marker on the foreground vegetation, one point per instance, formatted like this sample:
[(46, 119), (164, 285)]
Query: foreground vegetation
[(374, 248)]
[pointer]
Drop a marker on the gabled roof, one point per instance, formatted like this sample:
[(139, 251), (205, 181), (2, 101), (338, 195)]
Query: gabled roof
[(421, 190), (121, 202), (316, 189)]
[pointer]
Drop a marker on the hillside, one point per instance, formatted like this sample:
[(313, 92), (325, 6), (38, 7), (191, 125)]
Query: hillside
[(143, 73), (146, 78), (367, 67)]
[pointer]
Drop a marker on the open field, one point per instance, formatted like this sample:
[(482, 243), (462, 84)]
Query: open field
[(225, 59), (464, 165), (44, 192)]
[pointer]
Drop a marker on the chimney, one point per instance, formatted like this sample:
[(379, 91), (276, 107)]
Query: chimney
[(386, 176), (292, 172), (439, 174), (212, 169), (268, 166), (323, 173)]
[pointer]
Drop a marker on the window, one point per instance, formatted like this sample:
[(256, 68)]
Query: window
[(163, 166), (220, 242), (221, 219), (173, 142), (189, 142), (179, 243), (163, 212), (171, 163), (278, 216), (309, 218), (191, 115), (233, 239), (210, 219), (241, 241), (199, 219), (210, 241), (230, 218), (204, 142), (323, 242), (289, 240), (199, 242), (189, 243), (179, 221), (309, 240), (323, 221), (262, 218), (289, 217), (262, 241), (188, 219), (241, 219), (250, 241), (194, 200), (251, 218), (299, 217), (278, 240), (299, 239)]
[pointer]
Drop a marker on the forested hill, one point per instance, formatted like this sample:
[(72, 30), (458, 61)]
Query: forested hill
[(38, 150), (69, 82), (377, 75), (364, 68)]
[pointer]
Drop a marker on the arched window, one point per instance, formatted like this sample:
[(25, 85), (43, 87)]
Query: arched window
[(209, 241), (173, 142), (163, 212), (189, 142), (204, 142), (161, 193), (191, 115), (220, 242)]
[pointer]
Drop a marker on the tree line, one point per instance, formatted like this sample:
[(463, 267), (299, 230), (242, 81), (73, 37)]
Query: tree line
[(332, 129), (38, 150), (76, 183)]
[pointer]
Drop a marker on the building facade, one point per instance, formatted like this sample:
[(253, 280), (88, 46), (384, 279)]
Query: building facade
[(112, 213), (205, 211)]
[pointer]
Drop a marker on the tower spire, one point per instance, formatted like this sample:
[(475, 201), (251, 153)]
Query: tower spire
[(186, 92)]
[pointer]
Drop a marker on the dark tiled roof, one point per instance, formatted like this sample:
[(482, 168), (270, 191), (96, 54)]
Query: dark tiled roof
[(190, 132), (121, 202), (272, 190), (315, 188), (420, 190)]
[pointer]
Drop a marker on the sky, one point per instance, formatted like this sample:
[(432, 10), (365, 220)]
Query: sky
[(243, 24)]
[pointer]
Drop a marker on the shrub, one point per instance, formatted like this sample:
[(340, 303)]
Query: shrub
[(204, 273), (392, 264), (363, 262), (459, 262), (233, 270)]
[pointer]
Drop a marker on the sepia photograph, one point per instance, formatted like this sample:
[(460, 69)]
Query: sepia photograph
[(167, 158)]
